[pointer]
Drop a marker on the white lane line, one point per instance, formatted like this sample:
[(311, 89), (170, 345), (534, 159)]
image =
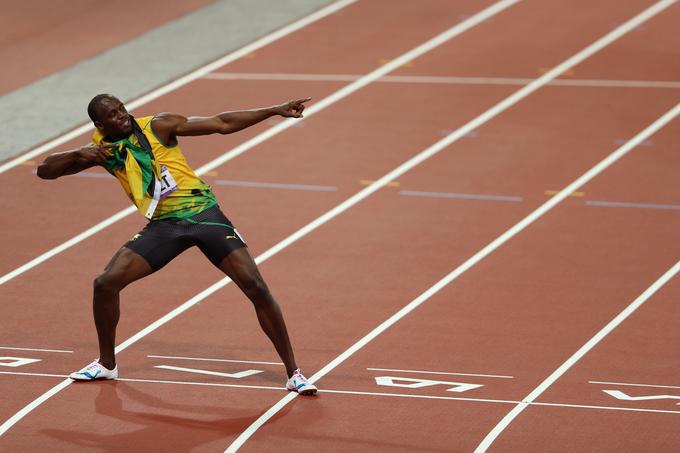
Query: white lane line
[(68, 244), (238, 375), (441, 80), (620, 204), (497, 401), (559, 197), (647, 143), (156, 381), (26, 373), (571, 361), (636, 385), (34, 349), (356, 392), (283, 77), (375, 186), (278, 128), (617, 83), (214, 360), (274, 185), (460, 196), (33, 404), (448, 373), (175, 84)]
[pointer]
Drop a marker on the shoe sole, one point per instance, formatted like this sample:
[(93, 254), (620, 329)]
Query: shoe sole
[(307, 392), (90, 380)]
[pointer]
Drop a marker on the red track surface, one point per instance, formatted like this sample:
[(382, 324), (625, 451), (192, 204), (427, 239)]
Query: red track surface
[(31, 31), (520, 312)]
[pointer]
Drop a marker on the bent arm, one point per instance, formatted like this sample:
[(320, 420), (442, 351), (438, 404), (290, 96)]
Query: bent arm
[(169, 126), (72, 162)]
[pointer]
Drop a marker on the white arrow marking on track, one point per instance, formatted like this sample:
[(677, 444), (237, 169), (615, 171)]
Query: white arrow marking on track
[(239, 375), (619, 395)]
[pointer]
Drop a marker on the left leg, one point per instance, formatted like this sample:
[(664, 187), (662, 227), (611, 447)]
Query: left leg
[(241, 268), (220, 242)]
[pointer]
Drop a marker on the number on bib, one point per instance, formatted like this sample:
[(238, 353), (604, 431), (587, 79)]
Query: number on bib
[(168, 184)]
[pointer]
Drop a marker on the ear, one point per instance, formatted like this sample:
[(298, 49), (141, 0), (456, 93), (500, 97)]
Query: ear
[(98, 125)]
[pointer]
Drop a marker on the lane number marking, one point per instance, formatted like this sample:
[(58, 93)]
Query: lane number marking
[(414, 383), (239, 375), (619, 395), (15, 362)]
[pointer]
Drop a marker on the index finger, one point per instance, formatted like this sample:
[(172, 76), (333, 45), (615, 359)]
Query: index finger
[(302, 101)]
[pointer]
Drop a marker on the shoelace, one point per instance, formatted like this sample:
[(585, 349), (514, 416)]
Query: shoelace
[(93, 366)]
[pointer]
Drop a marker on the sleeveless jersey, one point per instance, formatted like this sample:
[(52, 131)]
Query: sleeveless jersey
[(160, 184)]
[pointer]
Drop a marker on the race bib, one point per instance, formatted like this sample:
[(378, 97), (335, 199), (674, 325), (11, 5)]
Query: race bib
[(168, 184)]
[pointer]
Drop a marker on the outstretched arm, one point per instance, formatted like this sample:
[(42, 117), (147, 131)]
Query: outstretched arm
[(169, 126), (74, 161)]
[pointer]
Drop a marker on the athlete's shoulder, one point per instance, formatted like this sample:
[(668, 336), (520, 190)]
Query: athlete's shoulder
[(163, 126), (165, 121), (144, 122), (168, 117)]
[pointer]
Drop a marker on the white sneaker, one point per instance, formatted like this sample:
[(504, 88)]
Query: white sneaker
[(94, 371), (299, 383)]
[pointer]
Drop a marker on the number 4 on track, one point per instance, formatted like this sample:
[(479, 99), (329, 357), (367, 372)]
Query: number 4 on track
[(411, 383)]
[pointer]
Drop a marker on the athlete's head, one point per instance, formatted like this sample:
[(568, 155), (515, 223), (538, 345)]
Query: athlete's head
[(110, 116)]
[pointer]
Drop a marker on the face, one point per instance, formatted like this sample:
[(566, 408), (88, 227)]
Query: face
[(113, 119)]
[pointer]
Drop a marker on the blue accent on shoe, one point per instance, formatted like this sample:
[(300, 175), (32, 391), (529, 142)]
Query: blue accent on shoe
[(89, 376), (300, 385)]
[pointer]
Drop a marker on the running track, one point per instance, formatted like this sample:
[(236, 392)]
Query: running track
[(444, 375)]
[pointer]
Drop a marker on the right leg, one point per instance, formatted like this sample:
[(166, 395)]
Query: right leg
[(124, 268), (149, 250)]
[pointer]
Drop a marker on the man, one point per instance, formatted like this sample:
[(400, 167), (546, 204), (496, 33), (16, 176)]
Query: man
[(145, 157)]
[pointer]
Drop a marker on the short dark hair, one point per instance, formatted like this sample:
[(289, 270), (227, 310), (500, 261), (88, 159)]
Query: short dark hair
[(92, 106)]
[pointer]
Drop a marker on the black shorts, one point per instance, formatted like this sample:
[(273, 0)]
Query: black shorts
[(162, 240)]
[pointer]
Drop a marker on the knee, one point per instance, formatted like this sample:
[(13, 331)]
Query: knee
[(255, 288), (107, 282)]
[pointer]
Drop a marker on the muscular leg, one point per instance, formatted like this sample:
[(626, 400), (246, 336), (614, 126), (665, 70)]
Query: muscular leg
[(241, 268), (124, 268)]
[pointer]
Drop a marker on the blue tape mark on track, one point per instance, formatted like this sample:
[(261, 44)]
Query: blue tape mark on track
[(274, 185), (462, 196), (619, 204)]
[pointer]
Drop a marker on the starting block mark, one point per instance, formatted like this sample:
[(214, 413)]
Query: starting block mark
[(239, 375), (619, 395), (16, 362), (412, 383)]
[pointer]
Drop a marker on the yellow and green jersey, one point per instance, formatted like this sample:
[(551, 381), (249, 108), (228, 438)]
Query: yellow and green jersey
[(160, 184)]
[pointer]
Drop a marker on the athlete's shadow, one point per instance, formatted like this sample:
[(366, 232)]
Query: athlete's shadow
[(151, 426)]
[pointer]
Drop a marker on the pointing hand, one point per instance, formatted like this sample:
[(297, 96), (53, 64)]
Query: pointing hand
[(292, 109)]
